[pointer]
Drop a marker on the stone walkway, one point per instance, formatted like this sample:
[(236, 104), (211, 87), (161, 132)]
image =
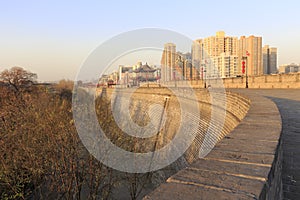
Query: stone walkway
[(288, 103), (196, 182)]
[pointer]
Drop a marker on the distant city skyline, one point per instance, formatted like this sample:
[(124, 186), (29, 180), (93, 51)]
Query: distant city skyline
[(54, 38)]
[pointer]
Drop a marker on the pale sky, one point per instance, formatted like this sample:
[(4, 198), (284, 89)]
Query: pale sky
[(53, 38)]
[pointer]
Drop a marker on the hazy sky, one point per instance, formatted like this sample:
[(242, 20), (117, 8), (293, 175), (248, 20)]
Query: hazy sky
[(53, 38)]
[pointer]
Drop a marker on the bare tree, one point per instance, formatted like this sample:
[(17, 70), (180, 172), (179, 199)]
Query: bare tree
[(18, 78)]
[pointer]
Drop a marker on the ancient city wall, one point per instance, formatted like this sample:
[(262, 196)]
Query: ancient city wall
[(227, 109), (247, 160), (246, 164), (291, 80), (266, 81)]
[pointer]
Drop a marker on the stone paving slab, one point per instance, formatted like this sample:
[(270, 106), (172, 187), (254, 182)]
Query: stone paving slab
[(242, 157), (179, 191), (261, 147), (231, 167), (221, 180)]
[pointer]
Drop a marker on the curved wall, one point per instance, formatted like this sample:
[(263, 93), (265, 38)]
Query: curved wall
[(220, 112), (246, 164)]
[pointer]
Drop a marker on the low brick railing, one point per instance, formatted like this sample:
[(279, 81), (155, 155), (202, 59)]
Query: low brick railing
[(291, 80)]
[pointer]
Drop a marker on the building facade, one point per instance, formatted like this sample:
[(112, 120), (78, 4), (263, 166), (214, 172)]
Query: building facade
[(210, 55), (250, 48), (228, 65), (168, 62), (184, 69), (269, 59)]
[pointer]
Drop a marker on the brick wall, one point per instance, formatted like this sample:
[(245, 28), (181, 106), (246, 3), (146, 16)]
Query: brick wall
[(265, 81)]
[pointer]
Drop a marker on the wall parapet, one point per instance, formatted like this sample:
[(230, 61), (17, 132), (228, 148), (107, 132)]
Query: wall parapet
[(291, 80), (265, 81)]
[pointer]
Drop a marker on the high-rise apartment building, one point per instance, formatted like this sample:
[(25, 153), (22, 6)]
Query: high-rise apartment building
[(215, 45), (269, 59), (251, 49), (168, 62), (197, 52), (221, 56), (208, 50)]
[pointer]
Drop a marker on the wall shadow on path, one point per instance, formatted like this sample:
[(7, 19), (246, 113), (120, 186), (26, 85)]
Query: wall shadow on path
[(290, 136)]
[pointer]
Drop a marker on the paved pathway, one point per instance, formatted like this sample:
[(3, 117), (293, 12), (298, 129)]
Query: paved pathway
[(288, 103)]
